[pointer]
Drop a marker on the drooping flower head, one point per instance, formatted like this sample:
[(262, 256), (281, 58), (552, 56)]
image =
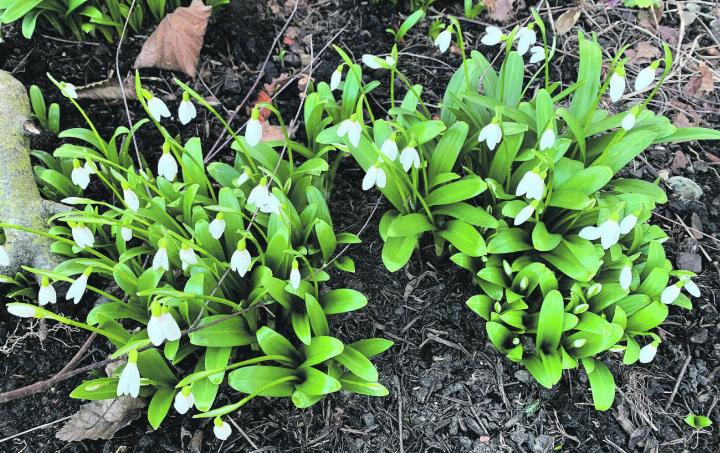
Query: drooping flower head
[(443, 40), (129, 382), (167, 166), (617, 83), (409, 157), (184, 400), (493, 36), (217, 226), (221, 429), (491, 134), (295, 275), (80, 175), (161, 260), (157, 108), (77, 288), (526, 37), (336, 78), (186, 111), (162, 326), (253, 129), (46, 294), (532, 185), (187, 256), (241, 260), (131, 199), (375, 176), (389, 148), (646, 76), (352, 129), (82, 235)]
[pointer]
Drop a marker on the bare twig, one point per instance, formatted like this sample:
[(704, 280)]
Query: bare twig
[(43, 426), (679, 380)]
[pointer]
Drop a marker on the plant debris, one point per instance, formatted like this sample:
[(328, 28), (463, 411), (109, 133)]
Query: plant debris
[(101, 419)]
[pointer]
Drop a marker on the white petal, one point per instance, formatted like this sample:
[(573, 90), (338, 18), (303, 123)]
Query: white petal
[(188, 256), (647, 353), (609, 233), (167, 167), (389, 149), (372, 62), (47, 295), (370, 177), (126, 233), (186, 112), (170, 329), (354, 133), (692, 288), (628, 223), (537, 54), (535, 185), (80, 177), (21, 310), (158, 109), (526, 38), (669, 294), (183, 403), (271, 206), (4, 258), (129, 382), (240, 262), (70, 91), (381, 179), (617, 87), (492, 36), (645, 78), (253, 132), (628, 121), (217, 228), (524, 214), (547, 140), (409, 158), (77, 289), (626, 277), (155, 330), (160, 261), (259, 195), (442, 42), (223, 431), (335, 80), (131, 200), (590, 233), (295, 278), (83, 237)]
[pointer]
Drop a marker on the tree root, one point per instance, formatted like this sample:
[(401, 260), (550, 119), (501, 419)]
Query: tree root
[(20, 200)]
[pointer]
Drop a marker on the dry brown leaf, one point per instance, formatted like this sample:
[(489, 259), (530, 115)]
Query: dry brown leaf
[(176, 43), (669, 34), (643, 53), (681, 120), (500, 10), (272, 133), (567, 20), (701, 84), (101, 419), (107, 90)]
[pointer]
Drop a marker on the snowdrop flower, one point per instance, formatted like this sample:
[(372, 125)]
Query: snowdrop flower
[(82, 235), (526, 37), (409, 158), (524, 214), (691, 288), (491, 135), (626, 277), (295, 275), (628, 121), (443, 39), (4, 257), (162, 325), (186, 111), (22, 310), (129, 382), (493, 36), (167, 166), (69, 90), (187, 256), (157, 108), (77, 289), (241, 259), (646, 76), (221, 429), (617, 84), (532, 185), (373, 62), (669, 294), (184, 400), (375, 176), (263, 199), (131, 199), (336, 78), (389, 148), (537, 54), (628, 223), (160, 260), (352, 129), (217, 226), (547, 139), (80, 175), (126, 233), (253, 129), (46, 294), (390, 61), (647, 352), (242, 179)]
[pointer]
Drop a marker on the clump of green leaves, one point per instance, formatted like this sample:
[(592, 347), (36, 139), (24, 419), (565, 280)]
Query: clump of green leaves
[(207, 273), (48, 117), (86, 17), (697, 421), (518, 180)]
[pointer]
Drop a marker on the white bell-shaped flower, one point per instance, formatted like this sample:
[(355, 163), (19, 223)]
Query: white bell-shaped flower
[(161, 260), (187, 256), (547, 139), (253, 129), (295, 275), (691, 288), (626, 277), (669, 294), (526, 37), (443, 40), (263, 199), (647, 352), (532, 186), (162, 326), (186, 111), (491, 134), (242, 179), (352, 129), (46, 294), (80, 175), (22, 310), (375, 176), (82, 235), (493, 36), (617, 86), (157, 108), (336, 78), (131, 199), (628, 121), (221, 429), (390, 61), (126, 233), (69, 90), (184, 400), (217, 226), (77, 288), (373, 62), (167, 166), (409, 157), (389, 149), (4, 257), (646, 76), (241, 260), (609, 233), (537, 54), (628, 223), (129, 382), (524, 214)]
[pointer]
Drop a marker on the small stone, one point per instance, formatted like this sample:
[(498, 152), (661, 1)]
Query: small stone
[(697, 226), (523, 376), (680, 162), (699, 337), (685, 189), (543, 444), (369, 420), (689, 262)]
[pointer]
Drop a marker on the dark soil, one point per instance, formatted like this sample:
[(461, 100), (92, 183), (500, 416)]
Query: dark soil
[(450, 390)]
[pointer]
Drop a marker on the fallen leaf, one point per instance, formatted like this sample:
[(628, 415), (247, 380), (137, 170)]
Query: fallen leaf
[(681, 120), (669, 34), (643, 53), (703, 83), (107, 90), (101, 419), (679, 163), (273, 133), (500, 10), (176, 43), (263, 96), (567, 20)]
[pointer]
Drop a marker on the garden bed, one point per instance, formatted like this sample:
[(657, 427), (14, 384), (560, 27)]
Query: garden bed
[(450, 390)]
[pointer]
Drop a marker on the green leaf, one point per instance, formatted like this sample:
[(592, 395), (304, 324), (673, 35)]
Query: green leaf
[(588, 79), (509, 240), (318, 383), (326, 239), (355, 384), (625, 150), (321, 349), (396, 252), (467, 213), (371, 347), (251, 379), (448, 149), (226, 333), (424, 131), (464, 237), (272, 343), (464, 189), (18, 9), (342, 300), (697, 421), (409, 225), (152, 365), (511, 79), (648, 317), (96, 389), (602, 384), (358, 364), (316, 316), (575, 257), (482, 305), (543, 240), (160, 405), (550, 322)]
